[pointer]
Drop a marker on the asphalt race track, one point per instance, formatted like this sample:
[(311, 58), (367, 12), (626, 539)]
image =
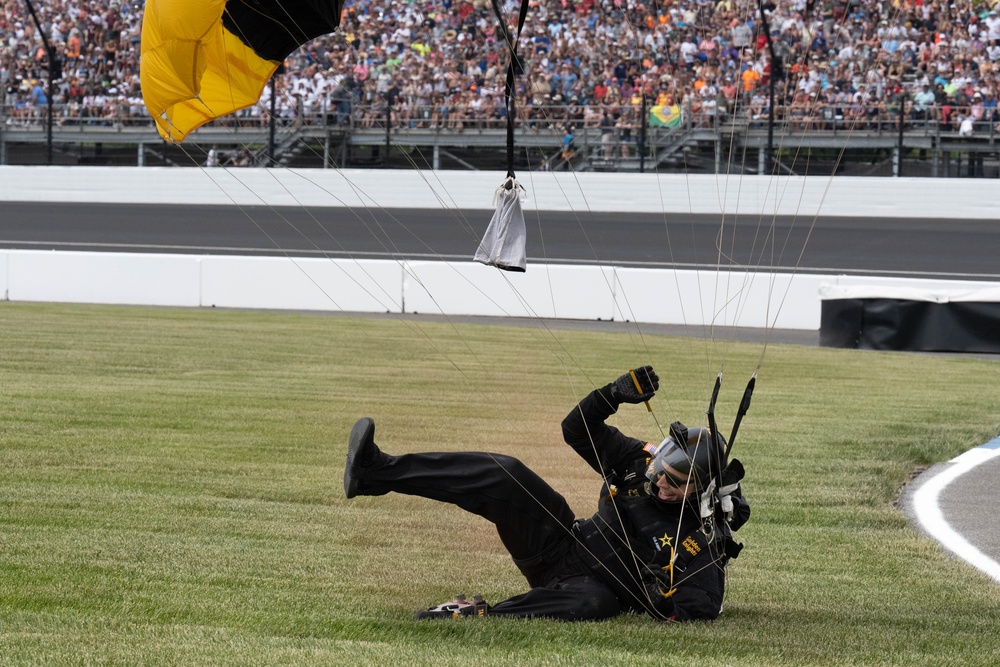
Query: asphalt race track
[(913, 248)]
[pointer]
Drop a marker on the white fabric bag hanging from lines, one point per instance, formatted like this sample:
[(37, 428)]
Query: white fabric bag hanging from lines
[(504, 243)]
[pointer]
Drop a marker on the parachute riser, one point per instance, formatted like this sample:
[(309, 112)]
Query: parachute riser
[(744, 407), (710, 500), (725, 450), (713, 429), (713, 512)]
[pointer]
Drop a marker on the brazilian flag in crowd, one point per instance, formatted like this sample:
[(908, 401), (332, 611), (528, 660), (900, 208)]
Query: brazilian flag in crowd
[(665, 115)]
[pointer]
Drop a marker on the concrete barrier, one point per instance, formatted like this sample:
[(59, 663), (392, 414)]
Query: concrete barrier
[(804, 196)]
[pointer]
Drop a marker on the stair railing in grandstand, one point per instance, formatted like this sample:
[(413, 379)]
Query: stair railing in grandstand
[(54, 71)]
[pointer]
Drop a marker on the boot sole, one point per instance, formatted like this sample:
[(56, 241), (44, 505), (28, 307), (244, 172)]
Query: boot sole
[(362, 434)]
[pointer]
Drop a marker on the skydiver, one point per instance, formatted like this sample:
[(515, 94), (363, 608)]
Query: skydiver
[(647, 549)]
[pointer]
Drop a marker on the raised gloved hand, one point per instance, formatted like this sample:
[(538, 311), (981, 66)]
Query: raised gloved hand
[(624, 389)]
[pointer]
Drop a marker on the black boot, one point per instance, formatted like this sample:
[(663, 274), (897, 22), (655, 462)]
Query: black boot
[(361, 454)]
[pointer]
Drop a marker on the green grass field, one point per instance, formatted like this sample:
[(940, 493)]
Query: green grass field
[(171, 493)]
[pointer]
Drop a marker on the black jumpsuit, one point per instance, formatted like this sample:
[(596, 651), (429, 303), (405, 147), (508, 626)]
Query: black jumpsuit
[(584, 569)]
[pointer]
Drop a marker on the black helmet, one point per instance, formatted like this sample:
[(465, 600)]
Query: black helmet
[(695, 462)]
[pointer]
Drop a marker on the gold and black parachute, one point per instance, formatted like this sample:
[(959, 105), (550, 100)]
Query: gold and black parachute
[(202, 59)]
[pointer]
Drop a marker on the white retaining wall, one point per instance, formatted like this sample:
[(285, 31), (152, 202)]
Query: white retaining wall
[(468, 288), (547, 191)]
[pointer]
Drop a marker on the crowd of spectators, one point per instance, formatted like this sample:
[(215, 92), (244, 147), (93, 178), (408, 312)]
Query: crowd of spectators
[(97, 46), (590, 63)]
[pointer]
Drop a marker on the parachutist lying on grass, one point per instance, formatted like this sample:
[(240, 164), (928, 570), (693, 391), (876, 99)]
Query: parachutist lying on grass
[(659, 542)]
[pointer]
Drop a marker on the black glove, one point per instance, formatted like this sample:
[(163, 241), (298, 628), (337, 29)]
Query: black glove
[(659, 590), (624, 390)]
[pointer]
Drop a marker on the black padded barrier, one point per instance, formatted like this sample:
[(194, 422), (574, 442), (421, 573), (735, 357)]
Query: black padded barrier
[(901, 324)]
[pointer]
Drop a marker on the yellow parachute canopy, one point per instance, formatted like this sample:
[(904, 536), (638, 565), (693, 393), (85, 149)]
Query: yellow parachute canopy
[(202, 59)]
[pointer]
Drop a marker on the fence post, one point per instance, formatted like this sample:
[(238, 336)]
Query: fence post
[(899, 144)]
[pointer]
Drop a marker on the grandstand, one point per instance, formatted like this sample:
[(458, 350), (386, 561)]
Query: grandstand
[(868, 88)]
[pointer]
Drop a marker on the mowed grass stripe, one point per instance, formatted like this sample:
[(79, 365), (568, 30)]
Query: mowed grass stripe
[(170, 492)]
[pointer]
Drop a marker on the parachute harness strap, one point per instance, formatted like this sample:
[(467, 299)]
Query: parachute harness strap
[(514, 68)]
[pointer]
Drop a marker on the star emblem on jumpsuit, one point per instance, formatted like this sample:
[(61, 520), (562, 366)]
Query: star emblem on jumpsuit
[(666, 541)]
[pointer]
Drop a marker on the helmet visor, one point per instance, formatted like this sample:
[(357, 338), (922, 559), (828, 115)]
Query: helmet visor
[(671, 463)]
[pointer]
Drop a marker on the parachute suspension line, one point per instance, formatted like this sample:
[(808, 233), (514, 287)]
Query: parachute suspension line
[(292, 28), (709, 335), (511, 116), (735, 220), (742, 298), (229, 69), (418, 328), (851, 127), (364, 197), (521, 299), (325, 229), (689, 194), (647, 603), (777, 72), (734, 223), (706, 329), (421, 169), (568, 199), (731, 258), (623, 538), (290, 224), (611, 289), (615, 293), (443, 352), (504, 243), (414, 326), (687, 506), (638, 566)]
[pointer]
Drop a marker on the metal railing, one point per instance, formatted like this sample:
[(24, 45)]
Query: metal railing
[(788, 119), (631, 145)]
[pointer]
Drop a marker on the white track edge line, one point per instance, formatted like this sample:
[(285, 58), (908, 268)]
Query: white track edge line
[(931, 518)]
